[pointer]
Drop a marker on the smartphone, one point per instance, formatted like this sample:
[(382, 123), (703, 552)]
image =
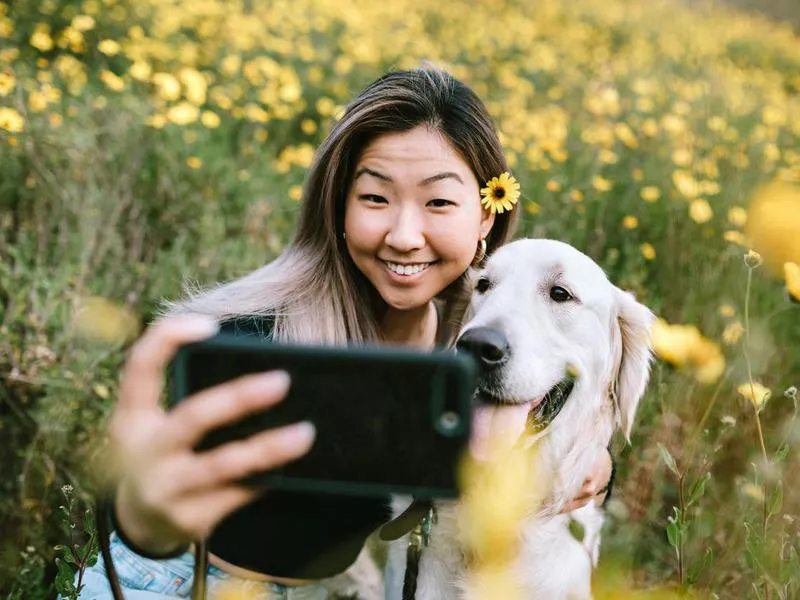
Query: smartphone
[(388, 421)]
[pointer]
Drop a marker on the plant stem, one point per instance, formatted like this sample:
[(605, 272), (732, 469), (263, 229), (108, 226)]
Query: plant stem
[(755, 403), (682, 501)]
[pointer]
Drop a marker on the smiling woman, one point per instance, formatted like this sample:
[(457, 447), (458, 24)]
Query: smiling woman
[(412, 201), (390, 223)]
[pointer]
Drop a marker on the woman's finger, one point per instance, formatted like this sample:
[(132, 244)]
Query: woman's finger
[(223, 404), (143, 373), (198, 515), (258, 453)]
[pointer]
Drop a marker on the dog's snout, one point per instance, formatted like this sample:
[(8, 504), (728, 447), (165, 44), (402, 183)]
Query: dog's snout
[(487, 345)]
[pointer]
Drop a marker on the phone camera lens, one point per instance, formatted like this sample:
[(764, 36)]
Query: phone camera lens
[(449, 420)]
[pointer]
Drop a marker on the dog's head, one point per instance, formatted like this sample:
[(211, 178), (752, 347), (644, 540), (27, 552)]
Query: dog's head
[(546, 328)]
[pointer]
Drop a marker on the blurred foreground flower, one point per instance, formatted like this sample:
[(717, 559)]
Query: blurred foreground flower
[(791, 273), (684, 346), (773, 224), (235, 589), (101, 320), (497, 495), (756, 393), (11, 120)]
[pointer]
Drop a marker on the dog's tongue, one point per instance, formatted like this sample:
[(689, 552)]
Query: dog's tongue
[(496, 429)]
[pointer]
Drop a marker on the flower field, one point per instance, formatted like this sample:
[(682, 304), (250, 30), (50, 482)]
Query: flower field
[(147, 143)]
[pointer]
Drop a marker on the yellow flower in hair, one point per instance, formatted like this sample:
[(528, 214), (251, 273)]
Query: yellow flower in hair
[(500, 194)]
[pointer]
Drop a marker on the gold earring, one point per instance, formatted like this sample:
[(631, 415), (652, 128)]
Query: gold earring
[(480, 254)]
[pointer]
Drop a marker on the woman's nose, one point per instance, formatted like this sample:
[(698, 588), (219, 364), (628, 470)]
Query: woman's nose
[(406, 233)]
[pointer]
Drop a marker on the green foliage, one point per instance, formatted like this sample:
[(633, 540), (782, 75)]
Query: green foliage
[(106, 195)]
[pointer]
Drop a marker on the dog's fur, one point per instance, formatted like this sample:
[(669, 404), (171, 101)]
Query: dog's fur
[(603, 334)]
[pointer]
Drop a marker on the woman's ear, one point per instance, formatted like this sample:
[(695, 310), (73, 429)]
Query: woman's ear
[(632, 336), (487, 222)]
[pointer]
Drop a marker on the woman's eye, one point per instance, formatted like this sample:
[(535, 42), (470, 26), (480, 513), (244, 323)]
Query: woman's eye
[(559, 294), (374, 198), (440, 203), (483, 285)]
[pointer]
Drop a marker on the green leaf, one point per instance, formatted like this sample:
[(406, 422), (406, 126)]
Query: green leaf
[(673, 534), (67, 553), (88, 521), (782, 453), (698, 488), (668, 460), (697, 570), (776, 500)]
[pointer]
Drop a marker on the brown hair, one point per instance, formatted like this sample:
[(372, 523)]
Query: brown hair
[(313, 288)]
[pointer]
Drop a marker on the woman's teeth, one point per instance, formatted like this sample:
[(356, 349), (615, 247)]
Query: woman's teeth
[(407, 269)]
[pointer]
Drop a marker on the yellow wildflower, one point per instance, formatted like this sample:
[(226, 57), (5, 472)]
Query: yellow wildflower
[(553, 185), (308, 126), (194, 162), (169, 88), (791, 274), (7, 83), (732, 333), (11, 120), (108, 47), (735, 237), (183, 113), (685, 346), (650, 193), (685, 183), (756, 393), (648, 251), (737, 216), (210, 119), (112, 81), (40, 38), (773, 224), (296, 192), (700, 211), (6, 27), (140, 70), (83, 23), (601, 184), (500, 194), (630, 222), (102, 320), (726, 310), (156, 121), (576, 195), (195, 85)]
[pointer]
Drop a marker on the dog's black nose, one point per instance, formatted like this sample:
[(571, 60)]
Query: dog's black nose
[(488, 346)]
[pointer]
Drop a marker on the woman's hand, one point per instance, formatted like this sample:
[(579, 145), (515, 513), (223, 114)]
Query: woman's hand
[(170, 495), (596, 485)]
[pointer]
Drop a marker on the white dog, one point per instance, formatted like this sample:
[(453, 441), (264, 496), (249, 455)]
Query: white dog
[(560, 346)]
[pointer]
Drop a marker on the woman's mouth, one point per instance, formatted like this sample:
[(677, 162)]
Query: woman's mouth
[(407, 269)]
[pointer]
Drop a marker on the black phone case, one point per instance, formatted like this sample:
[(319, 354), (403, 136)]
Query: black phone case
[(387, 420)]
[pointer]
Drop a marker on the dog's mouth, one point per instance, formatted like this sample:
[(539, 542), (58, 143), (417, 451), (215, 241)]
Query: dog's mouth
[(499, 422)]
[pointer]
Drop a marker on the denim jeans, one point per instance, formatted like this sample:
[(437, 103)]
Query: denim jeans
[(145, 579)]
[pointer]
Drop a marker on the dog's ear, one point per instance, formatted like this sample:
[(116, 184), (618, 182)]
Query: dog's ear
[(633, 352)]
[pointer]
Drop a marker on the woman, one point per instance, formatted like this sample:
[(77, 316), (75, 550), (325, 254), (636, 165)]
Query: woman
[(391, 222)]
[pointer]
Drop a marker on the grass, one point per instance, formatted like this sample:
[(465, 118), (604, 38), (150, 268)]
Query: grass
[(144, 143)]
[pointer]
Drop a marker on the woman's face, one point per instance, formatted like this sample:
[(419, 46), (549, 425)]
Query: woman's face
[(413, 216)]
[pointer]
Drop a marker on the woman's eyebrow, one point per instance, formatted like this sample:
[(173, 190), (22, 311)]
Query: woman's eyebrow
[(376, 174), (439, 177)]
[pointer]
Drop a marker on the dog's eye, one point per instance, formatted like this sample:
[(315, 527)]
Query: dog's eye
[(559, 294), (483, 285)]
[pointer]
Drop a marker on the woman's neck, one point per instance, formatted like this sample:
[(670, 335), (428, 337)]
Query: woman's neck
[(415, 328)]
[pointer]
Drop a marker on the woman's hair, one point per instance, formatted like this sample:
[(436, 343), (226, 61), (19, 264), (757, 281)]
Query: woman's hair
[(313, 289)]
